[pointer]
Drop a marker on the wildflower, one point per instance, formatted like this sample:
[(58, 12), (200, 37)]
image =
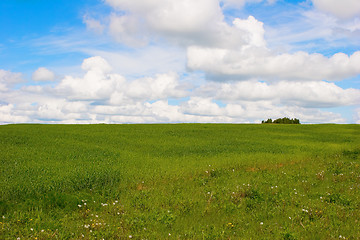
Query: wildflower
[(169, 234), (290, 218), (18, 238), (3, 217), (79, 205), (42, 230), (31, 229), (130, 236), (261, 223)]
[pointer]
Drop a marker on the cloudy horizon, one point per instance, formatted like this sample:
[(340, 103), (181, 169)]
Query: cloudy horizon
[(171, 61)]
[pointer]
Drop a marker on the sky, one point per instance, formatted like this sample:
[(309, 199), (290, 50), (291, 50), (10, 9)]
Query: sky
[(179, 61)]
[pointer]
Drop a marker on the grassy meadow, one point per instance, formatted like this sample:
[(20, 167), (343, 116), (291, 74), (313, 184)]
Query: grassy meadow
[(180, 181)]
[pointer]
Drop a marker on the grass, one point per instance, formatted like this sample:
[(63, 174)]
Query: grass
[(182, 181)]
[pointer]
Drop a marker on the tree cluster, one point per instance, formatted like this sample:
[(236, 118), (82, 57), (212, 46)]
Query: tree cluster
[(284, 120)]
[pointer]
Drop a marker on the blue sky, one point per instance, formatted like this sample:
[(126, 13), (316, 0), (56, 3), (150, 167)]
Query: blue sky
[(134, 61)]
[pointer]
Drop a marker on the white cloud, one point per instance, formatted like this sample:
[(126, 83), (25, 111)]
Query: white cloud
[(314, 94), (96, 84), (357, 116), (201, 106), (101, 95), (173, 16), (9, 79), (145, 61), (241, 3), (127, 30), (341, 9), (182, 22), (161, 87), (93, 25), (96, 64), (43, 74), (254, 29), (8, 115), (262, 63)]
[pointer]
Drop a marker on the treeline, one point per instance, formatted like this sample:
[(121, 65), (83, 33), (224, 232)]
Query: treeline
[(284, 120)]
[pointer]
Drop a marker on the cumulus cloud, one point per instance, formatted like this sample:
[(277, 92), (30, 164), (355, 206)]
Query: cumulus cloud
[(314, 94), (264, 64), (185, 16), (100, 84), (8, 115), (181, 22), (101, 95), (9, 79), (254, 60), (43, 74), (341, 9)]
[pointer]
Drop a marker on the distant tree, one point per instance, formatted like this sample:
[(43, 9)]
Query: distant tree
[(269, 120), (284, 120)]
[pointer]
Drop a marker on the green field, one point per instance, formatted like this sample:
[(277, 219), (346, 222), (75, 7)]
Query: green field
[(180, 181)]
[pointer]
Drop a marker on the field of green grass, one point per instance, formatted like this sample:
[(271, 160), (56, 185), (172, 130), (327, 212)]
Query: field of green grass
[(180, 181)]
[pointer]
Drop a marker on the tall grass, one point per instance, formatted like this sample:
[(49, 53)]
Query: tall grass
[(182, 181)]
